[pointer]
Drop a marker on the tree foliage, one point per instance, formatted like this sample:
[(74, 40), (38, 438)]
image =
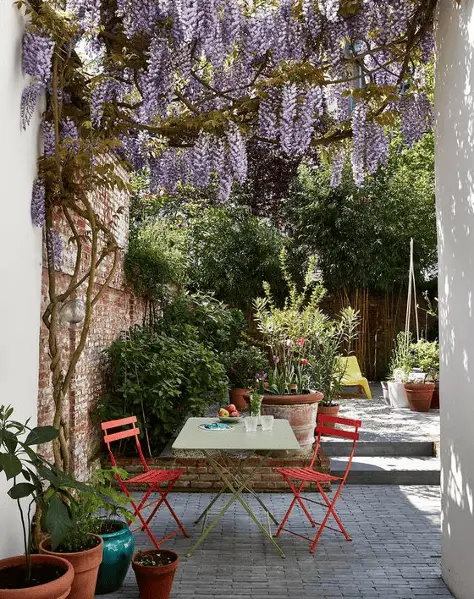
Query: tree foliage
[(362, 236)]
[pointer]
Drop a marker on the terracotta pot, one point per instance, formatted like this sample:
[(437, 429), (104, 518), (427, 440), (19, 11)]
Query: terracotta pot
[(86, 567), (435, 399), (237, 397), (329, 411), (299, 410), (56, 589), (419, 396), (155, 582)]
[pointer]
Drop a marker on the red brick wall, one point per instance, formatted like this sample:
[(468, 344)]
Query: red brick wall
[(116, 311)]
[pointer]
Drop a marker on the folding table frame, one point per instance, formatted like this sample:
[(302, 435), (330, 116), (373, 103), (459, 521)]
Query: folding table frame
[(236, 482)]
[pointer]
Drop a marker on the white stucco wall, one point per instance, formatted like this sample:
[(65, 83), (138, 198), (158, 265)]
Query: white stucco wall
[(454, 103), (20, 256)]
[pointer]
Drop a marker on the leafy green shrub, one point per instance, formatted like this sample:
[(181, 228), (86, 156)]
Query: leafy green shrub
[(213, 322), (162, 380), (348, 228), (156, 258), (425, 355), (232, 253), (243, 363)]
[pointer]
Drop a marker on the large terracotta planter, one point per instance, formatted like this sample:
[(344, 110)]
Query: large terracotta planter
[(155, 582), (116, 558), (58, 588), (86, 567), (299, 410), (329, 411), (237, 397), (419, 396)]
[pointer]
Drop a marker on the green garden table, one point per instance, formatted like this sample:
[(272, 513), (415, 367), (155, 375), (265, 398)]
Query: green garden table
[(216, 445)]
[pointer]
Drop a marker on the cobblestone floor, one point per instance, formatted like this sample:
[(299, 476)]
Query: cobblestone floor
[(394, 553)]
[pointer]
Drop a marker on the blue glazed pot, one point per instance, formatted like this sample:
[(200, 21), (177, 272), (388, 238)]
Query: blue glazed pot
[(118, 551)]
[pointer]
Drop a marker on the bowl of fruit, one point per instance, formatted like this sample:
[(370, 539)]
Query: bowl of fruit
[(229, 414)]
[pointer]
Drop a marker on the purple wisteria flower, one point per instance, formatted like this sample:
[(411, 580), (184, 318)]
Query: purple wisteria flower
[(237, 153), (38, 204), (417, 115), (37, 56), (29, 101), (337, 167), (288, 113), (47, 131), (359, 122), (54, 246)]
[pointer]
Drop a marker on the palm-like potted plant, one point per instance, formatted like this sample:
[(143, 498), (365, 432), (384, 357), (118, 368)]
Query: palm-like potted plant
[(242, 365), (33, 576)]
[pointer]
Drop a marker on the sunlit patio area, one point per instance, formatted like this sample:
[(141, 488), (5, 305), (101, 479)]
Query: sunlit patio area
[(395, 551)]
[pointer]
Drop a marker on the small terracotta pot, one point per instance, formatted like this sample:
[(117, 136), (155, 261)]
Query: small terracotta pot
[(419, 396), (56, 589), (329, 411), (86, 567), (155, 582), (435, 399), (237, 397)]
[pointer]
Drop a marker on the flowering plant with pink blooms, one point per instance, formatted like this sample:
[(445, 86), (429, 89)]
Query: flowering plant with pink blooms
[(303, 341)]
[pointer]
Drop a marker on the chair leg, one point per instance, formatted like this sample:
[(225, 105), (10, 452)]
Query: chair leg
[(330, 511), (163, 500), (366, 387), (296, 497)]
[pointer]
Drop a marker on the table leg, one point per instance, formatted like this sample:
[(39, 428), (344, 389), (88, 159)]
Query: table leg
[(236, 486)]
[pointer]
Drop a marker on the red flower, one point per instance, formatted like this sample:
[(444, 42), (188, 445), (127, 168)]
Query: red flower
[(301, 341), (303, 361)]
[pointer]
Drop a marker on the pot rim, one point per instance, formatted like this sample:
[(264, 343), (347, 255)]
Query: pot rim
[(293, 398), (117, 533), (173, 564), (98, 547)]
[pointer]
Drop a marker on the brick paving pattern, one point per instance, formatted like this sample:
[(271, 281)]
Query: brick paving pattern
[(395, 553)]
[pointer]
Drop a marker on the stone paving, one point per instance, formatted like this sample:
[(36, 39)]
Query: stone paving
[(384, 423), (394, 554)]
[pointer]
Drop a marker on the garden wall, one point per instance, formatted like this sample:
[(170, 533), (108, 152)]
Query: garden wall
[(117, 310)]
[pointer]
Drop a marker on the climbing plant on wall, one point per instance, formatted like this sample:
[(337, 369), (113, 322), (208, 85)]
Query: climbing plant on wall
[(181, 87)]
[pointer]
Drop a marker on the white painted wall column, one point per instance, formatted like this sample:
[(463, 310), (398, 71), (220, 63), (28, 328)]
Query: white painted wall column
[(454, 104), (20, 255)]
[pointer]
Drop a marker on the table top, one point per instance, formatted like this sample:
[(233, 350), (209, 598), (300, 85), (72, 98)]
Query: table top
[(281, 437)]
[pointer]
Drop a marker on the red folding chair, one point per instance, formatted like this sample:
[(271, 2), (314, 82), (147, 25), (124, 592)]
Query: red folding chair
[(307, 475), (152, 478)]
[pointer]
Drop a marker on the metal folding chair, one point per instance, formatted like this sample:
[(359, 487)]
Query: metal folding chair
[(152, 478), (302, 476)]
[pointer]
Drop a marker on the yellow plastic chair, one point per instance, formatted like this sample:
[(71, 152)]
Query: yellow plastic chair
[(353, 375)]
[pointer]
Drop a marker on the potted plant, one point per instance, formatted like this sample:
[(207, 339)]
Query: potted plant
[(400, 367), (80, 544), (294, 334), (420, 385), (112, 527), (242, 365), (426, 358), (32, 576), (154, 571)]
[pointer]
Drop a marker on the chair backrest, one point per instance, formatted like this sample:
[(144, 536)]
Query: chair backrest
[(351, 367), (327, 426), (131, 431)]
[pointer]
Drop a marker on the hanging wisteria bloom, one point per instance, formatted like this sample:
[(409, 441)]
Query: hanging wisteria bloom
[(288, 112), (54, 245), (337, 167), (47, 130), (37, 58), (38, 204), (359, 122), (237, 153), (417, 117)]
